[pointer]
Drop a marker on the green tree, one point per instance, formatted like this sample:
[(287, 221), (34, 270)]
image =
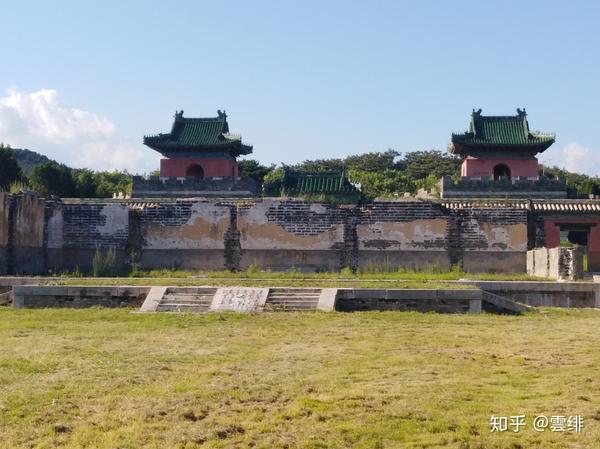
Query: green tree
[(319, 165), (112, 182), (273, 182), (577, 184), (50, 178), (421, 164), (374, 161), (86, 183), (388, 183), (9, 168), (369, 162), (249, 168)]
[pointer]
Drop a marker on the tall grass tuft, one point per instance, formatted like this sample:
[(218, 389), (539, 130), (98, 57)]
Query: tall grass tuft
[(104, 264)]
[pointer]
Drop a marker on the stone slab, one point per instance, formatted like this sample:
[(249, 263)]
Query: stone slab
[(327, 299), (153, 299), (240, 299)]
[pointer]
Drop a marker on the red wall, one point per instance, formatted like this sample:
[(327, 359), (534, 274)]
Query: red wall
[(476, 168), (552, 230), (212, 167)]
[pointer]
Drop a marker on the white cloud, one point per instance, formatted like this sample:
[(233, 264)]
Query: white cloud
[(40, 122), (574, 157)]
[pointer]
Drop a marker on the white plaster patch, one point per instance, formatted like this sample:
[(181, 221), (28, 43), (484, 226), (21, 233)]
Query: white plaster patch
[(280, 239), (117, 219), (258, 233), (205, 229), (500, 235), (408, 236), (257, 214), (209, 212), (55, 231), (318, 208)]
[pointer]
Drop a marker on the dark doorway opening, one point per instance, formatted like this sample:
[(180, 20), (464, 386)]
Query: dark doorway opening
[(501, 172), (576, 234), (195, 171)]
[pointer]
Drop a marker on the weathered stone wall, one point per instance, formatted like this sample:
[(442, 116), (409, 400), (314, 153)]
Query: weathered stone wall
[(4, 209), (546, 294), (403, 234), (282, 234), (519, 187), (31, 296), (491, 239), (422, 300), (85, 228), (272, 233), (186, 235), (27, 239)]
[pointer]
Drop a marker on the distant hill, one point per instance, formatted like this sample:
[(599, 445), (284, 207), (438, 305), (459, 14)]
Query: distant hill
[(28, 159)]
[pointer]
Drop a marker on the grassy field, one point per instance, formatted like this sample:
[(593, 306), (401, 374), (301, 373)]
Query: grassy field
[(100, 378), (372, 275), (263, 283), (253, 277)]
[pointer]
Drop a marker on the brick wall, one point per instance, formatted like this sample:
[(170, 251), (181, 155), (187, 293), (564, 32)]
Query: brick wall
[(283, 234), (184, 234), (271, 233), (89, 226)]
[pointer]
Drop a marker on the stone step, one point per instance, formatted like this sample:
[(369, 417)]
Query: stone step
[(288, 306), (292, 298), (192, 290), (181, 308), (189, 297), (191, 302), (493, 302), (294, 290)]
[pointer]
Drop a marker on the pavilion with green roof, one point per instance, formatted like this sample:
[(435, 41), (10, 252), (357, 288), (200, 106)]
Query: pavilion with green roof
[(500, 147), (199, 148)]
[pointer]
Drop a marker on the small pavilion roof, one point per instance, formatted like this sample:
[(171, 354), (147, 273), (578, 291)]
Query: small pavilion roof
[(208, 134), (317, 182), (500, 133)]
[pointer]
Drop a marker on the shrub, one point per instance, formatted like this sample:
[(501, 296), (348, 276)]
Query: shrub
[(104, 263)]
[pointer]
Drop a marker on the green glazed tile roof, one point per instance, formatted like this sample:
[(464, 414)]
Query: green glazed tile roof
[(198, 134), (501, 131), (316, 183)]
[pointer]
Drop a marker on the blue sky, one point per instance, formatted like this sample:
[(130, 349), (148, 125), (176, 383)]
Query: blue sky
[(83, 82)]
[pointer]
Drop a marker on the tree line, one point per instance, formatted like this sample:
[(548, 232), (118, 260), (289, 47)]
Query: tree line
[(48, 177), (379, 174)]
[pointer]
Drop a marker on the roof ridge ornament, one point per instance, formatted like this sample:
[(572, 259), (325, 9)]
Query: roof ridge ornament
[(521, 112), (476, 113), (222, 114), (178, 114)]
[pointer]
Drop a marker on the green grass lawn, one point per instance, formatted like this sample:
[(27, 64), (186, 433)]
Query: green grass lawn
[(431, 278), (366, 276), (264, 283), (100, 378)]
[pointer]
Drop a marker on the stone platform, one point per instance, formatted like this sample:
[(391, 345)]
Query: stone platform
[(255, 300)]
